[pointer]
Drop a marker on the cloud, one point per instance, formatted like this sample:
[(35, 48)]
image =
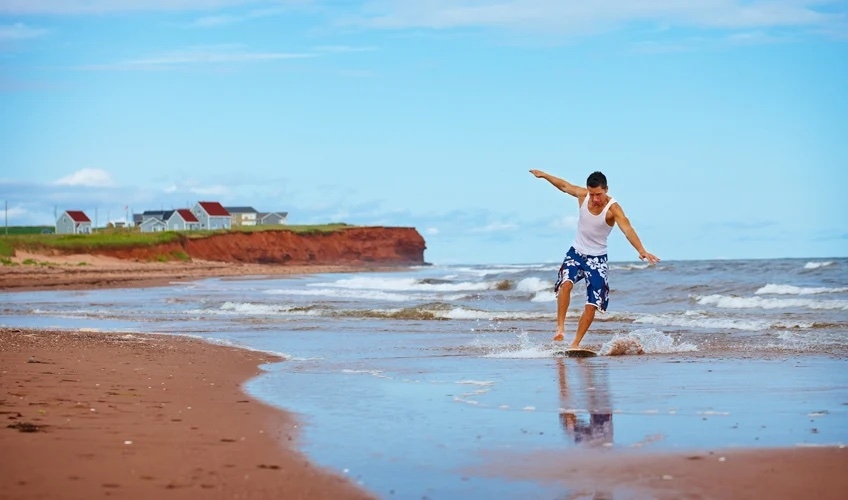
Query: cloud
[(216, 54), (15, 212), (577, 18), (91, 177), (105, 6), (19, 31), (342, 49), (432, 231), (37, 203), (565, 222), (495, 227), (219, 20), (192, 186)]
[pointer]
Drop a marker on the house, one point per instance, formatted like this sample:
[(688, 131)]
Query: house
[(139, 218), (212, 215), (271, 218), (73, 222), (242, 216), (152, 225), (180, 219)]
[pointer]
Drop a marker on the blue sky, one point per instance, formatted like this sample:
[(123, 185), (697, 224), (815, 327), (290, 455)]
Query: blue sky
[(721, 124)]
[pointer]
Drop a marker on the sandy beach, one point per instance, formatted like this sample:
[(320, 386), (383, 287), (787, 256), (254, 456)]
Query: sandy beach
[(91, 414), (31, 271)]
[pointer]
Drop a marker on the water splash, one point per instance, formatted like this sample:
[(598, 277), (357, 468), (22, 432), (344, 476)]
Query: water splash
[(816, 265), (645, 341)]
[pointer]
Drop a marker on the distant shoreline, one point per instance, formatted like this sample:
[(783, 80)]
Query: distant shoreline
[(32, 272)]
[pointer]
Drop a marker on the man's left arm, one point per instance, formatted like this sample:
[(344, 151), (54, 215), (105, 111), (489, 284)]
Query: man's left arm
[(630, 233)]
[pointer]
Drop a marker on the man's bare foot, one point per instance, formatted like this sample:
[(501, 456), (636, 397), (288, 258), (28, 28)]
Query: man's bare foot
[(574, 346), (559, 337)]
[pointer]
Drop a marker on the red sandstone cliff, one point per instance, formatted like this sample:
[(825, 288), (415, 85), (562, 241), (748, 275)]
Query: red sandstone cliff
[(377, 245)]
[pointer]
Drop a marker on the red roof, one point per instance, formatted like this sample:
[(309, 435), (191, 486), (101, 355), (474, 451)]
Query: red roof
[(187, 215), (78, 216), (214, 209)]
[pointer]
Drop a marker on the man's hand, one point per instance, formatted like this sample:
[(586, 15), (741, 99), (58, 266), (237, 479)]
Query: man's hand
[(537, 173), (652, 259)]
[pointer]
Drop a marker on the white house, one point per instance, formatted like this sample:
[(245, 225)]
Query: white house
[(152, 225), (242, 216), (73, 222), (181, 219), (272, 218), (212, 215)]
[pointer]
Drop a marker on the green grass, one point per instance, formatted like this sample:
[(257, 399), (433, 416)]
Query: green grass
[(180, 255), (298, 228), (6, 248), (83, 243), (13, 230)]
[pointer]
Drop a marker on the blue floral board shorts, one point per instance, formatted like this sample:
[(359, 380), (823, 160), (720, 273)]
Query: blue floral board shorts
[(592, 268)]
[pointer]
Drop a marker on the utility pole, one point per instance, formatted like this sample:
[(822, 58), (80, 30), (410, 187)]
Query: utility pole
[(6, 215)]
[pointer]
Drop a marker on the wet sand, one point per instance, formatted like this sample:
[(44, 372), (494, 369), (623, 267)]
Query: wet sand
[(91, 415), (738, 473)]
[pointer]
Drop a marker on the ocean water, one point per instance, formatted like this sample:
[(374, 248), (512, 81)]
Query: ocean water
[(409, 382)]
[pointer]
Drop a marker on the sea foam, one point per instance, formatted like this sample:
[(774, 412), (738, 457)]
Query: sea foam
[(533, 285), (405, 285), (699, 319), (774, 289), (730, 302), (816, 265)]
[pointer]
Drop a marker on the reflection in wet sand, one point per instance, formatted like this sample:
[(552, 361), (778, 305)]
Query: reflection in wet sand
[(586, 412)]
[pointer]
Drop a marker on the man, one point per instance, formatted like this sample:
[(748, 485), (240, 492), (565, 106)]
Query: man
[(587, 258)]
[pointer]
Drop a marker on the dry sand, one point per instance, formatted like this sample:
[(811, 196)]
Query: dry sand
[(51, 272)]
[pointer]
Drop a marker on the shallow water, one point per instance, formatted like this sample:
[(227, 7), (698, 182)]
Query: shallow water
[(406, 380)]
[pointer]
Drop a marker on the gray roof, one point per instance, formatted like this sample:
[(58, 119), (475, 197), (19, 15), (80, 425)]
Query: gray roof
[(241, 210)]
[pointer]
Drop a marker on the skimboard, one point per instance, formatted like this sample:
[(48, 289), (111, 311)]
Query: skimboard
[(576, 353)]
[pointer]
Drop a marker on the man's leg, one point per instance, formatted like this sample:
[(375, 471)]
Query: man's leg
[(563, 299), (585, 321)]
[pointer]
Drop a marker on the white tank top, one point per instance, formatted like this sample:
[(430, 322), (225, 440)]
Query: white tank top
[(592, 230)]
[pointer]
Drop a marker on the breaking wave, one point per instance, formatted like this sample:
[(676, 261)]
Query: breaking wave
[(817, 265), (797, 290), (730, 302), (700, 319)]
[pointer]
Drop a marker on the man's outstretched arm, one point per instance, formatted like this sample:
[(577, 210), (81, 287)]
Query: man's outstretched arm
[(630, 233), (561, 184)]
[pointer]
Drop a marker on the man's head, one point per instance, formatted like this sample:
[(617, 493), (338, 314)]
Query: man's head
[(597, 179), (597, 186)]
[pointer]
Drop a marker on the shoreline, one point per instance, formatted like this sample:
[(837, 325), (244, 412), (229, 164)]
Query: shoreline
[(144, 415), (33, 272)]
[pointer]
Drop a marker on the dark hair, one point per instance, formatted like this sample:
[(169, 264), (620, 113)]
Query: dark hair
[(597, 179)]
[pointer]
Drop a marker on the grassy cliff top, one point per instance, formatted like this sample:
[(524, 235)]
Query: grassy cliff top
[(33, 237)]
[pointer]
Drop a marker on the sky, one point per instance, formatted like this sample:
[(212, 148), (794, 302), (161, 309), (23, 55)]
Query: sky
[(722, 125)]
